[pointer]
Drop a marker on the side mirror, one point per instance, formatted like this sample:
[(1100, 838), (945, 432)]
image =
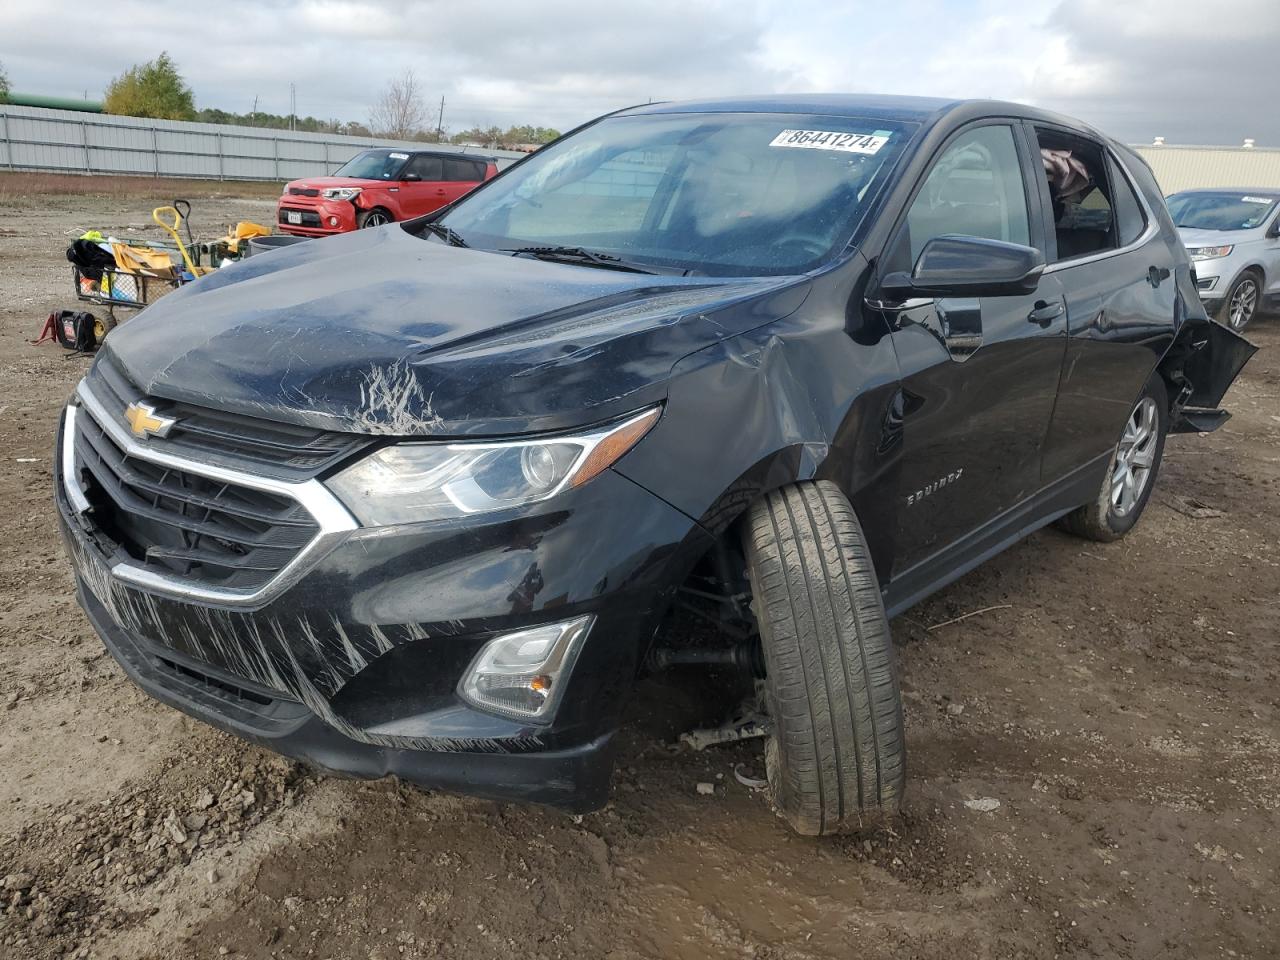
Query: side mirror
[(957, 266), (411, 178)]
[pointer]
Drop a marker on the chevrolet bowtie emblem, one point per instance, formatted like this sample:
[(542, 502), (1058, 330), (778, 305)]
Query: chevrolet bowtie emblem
[(145, 422)]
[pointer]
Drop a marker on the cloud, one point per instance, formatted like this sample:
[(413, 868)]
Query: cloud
[(1136, 68), (1190, 71)]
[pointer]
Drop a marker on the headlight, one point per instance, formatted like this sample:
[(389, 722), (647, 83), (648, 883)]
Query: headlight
[(340, 193), (413, 482), (1209, 253)]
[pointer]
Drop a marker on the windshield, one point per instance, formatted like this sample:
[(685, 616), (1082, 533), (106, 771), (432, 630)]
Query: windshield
[(714, 194), (373, 165), (1219, 211)]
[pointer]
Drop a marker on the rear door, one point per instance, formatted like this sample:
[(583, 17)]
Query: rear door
[(461, 175), (1116, 271), (426, 190), (979, 375)]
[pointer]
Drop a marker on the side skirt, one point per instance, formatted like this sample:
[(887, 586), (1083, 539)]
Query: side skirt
[(954, 561)]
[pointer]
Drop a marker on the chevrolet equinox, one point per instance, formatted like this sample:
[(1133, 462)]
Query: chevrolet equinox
[(415, 500)]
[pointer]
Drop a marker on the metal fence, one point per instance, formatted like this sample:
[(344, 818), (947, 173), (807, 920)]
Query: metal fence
[(63, 141), (37, 138), (1183, 168)]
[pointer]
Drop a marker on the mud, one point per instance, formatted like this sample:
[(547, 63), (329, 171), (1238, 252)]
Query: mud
[(1094, 765)]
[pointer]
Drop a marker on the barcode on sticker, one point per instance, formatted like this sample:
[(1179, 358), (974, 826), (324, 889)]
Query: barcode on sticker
[(1255, 199), (830, 140)]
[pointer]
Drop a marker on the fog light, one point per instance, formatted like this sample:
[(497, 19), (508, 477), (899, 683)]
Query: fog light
[(522, 675), (333, 221)]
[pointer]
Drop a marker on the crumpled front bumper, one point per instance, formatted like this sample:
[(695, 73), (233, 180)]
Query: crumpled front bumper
[(355, 667)]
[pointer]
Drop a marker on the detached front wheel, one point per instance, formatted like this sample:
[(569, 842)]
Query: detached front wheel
[(836, 759)]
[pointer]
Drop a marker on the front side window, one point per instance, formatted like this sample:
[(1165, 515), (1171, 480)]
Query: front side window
[(975, 189), (1220, 211), (714, 194), (374, 165)]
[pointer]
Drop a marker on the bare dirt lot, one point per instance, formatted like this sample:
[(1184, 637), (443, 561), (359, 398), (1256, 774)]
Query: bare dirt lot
[(1120, 702)]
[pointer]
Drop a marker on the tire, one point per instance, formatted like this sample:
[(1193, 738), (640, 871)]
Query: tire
[(836, 757), (373, 218), (1242, 300), (1118, 505), (102, 326)]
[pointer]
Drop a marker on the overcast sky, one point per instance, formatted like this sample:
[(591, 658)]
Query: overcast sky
[(1192, 71)]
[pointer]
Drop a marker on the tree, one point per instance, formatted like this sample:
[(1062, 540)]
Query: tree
[(4, 85), (399, 112), (153, 89)]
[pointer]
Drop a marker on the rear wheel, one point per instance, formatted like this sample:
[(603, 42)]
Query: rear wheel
[(836, 757), (1242, 301), (1131, 475), (373, 218)]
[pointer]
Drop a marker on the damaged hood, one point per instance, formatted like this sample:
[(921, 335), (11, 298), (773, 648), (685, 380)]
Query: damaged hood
[(380, 331)]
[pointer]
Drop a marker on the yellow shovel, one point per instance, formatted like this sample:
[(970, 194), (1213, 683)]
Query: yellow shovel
[(172, 230)]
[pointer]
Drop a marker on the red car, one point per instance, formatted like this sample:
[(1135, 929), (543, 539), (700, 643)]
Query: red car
[(377, 187)]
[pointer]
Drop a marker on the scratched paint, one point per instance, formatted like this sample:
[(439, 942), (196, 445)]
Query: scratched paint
[(263, 651)]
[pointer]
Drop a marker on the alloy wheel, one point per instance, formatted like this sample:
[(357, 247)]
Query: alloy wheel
[(1244, 300), (1134, 457), (376, 219)]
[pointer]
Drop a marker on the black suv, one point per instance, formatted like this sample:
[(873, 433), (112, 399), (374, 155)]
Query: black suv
[(416, 500)]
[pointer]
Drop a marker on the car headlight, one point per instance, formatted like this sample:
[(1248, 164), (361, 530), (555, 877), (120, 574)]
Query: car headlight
[(1209, 253), (413, 482), (340, 193)]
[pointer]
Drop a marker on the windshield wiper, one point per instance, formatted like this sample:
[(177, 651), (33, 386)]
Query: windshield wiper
[(586, 258), (447, 234)]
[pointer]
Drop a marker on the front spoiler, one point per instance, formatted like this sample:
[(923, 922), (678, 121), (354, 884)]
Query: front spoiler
[(575, 779)]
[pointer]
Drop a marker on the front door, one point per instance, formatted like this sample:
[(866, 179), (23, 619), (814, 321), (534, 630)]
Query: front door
[(979, 376)]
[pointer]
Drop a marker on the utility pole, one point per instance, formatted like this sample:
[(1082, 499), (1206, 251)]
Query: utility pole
[(440, 122), (255, 105), (293, 107)]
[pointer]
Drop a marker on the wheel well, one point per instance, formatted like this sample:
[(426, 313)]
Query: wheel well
[(711, 608)]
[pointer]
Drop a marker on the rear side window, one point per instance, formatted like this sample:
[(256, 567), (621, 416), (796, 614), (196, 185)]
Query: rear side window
[(1130, 221), (1075, 169), (466, 171), (426, 166), (975, 189)]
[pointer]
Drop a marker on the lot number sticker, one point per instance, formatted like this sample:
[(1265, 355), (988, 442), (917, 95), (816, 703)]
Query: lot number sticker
[(830, 140)]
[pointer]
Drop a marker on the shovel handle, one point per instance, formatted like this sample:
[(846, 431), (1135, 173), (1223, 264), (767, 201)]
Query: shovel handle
[(170, 227)]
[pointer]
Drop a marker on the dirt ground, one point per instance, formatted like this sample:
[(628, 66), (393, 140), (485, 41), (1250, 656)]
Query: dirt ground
[(1120, 703)]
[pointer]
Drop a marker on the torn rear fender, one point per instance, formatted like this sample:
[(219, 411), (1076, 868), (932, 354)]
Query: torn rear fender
[(1202, 362)]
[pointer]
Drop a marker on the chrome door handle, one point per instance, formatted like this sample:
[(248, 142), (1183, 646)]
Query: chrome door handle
[(1045, 313)]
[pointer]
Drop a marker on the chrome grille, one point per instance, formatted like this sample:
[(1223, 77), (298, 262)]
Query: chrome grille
[(179, 523)]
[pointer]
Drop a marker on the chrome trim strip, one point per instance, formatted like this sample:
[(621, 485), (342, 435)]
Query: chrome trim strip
[(74, 494), (334, 520), (1147, 235)]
